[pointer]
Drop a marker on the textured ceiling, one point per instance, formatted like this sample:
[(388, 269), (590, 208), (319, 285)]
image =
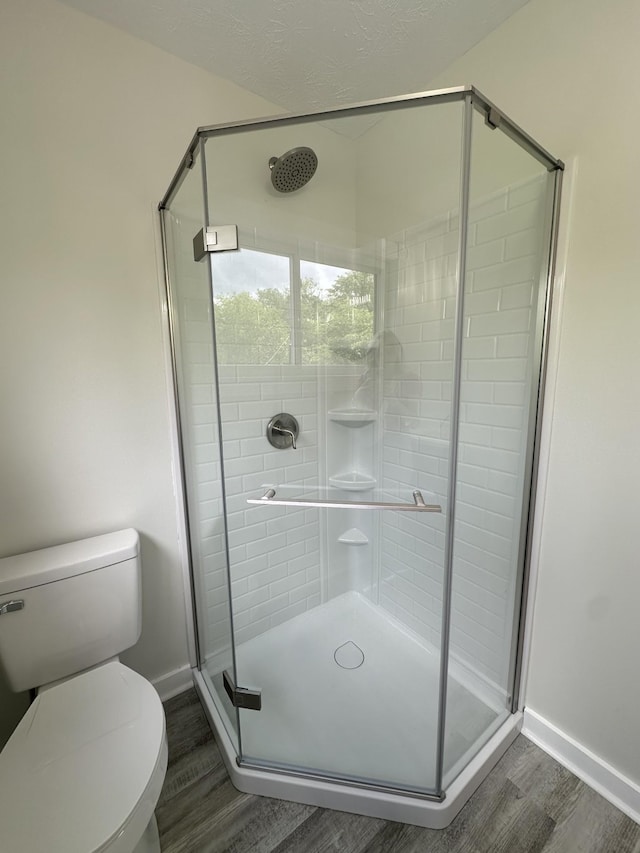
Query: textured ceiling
[(306, 54)]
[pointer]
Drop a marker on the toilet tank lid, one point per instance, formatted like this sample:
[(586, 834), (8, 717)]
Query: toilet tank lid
[(24, 571)]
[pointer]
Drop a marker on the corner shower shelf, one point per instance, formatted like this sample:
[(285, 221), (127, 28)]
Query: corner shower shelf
[(353, 536), (353, 417), (352, 481)]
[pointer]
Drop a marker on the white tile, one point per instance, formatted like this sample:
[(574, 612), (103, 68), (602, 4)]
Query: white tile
[(510, 393), (523, 243), (485, 254), (283, 555), (476, 392), (494, 501), (531, 190), (497, 370), (482, 302), (513, 346), (472, 475), (509, 272), (504, 416), (490, 543), (516, 219), (244, 465), (263, 546), (516, 296), (500, 323), (492, 458), (500, 481), (249, 599), (479, 347), (507, 439), (265, 577), (487, 208), (270, 606)]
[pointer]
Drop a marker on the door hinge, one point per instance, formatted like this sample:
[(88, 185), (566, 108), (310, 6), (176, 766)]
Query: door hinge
[(242, 697), (215, 238), (492, 118)]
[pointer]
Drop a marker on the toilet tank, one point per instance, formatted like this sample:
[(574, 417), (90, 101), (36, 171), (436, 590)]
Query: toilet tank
[(67, 608)]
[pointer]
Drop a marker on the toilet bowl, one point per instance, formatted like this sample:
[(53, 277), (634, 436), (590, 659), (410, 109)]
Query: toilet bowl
[(83, 770)]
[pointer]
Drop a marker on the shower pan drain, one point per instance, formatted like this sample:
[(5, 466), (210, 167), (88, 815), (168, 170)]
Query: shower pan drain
[(348, 655)]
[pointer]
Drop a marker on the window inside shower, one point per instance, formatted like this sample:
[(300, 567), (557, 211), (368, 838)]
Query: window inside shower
[(393, 305), (276, 308)]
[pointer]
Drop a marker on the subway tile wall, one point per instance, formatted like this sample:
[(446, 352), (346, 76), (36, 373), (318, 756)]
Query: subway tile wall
[(503, 269), (274, 552)]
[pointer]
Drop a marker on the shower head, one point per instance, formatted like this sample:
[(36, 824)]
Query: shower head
[(293, 170)]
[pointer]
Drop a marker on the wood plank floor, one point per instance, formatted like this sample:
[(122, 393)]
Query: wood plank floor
[(528, 804)]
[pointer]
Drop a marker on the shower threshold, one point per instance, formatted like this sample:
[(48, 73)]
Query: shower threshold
[(349, 693)]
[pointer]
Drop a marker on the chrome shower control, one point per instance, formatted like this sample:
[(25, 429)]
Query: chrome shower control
[(282, 431), (11, 606)]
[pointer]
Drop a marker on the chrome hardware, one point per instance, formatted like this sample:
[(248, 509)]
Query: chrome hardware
[(418, 505), (282, 431), (215, 238), (492, 118), (242, 697), (11, 606)]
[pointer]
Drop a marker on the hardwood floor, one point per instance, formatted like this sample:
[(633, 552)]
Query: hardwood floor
[(528, 804)]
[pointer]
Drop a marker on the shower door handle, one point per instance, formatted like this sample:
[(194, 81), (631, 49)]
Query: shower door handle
[(418, 505)]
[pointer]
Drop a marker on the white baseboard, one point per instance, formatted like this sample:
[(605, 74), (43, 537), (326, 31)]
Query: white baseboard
[(172, 683), (619, 790)]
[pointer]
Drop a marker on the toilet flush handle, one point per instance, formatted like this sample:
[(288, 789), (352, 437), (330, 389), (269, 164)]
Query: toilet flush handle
[(11, 606)]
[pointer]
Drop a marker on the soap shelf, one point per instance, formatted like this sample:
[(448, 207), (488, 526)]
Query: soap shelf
[(352, 481), (352, 417), (353, 536)]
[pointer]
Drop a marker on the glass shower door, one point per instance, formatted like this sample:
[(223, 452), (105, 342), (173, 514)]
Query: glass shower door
[(336, 309), (329, 663)]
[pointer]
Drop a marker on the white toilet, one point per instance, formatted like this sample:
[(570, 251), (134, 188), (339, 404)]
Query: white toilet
[(83, 770)]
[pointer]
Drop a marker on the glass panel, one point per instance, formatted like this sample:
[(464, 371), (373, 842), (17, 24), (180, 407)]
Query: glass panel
[(190, 306), (507, 237), (337, 613)]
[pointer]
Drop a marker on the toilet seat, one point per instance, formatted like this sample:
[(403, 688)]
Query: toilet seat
[(83, 771)]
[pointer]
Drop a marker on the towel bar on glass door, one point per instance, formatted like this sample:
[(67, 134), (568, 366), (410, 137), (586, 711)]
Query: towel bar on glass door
[(417, 506)]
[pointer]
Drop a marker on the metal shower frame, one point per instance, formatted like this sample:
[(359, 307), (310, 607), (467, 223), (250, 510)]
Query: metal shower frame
[(472, 100)]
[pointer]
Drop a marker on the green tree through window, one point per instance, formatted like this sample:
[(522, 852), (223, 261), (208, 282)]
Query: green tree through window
[(335, 326)]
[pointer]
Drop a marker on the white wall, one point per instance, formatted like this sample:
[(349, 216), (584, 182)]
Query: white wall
[(93, 125), (569, 73)]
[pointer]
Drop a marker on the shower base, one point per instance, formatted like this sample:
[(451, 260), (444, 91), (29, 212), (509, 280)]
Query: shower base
[(348, 692)]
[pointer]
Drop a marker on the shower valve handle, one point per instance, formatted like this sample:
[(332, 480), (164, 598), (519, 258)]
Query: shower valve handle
[(282, 431), (287, 432)]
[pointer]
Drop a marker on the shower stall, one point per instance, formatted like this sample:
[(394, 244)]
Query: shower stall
[(358, 304)]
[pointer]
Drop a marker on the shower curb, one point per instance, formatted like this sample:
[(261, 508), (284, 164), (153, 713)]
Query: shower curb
[(348, 798)]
